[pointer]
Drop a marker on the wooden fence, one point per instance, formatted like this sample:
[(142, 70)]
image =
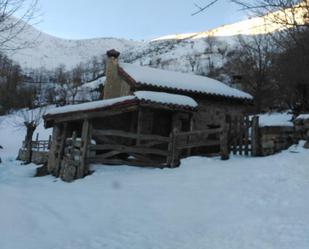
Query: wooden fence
[(119, 147), (141, 149), (39, 145), (243, 135)]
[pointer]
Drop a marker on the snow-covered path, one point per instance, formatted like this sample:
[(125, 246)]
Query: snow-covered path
[(205, 204)]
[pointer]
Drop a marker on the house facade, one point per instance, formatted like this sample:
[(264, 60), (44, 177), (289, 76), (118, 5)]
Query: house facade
[(148, 117)]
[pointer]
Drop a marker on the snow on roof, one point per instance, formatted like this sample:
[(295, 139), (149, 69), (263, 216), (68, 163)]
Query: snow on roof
[(89, 106), (156, 97), (275, 119), (94, 84), (181, 81), (166, 98), (303, 116)]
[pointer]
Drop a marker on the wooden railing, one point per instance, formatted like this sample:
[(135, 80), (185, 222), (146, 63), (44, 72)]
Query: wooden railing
[(41, 145), (201, 138), (120, 147)]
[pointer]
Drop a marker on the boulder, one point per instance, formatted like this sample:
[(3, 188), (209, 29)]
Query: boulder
[(306, 146)]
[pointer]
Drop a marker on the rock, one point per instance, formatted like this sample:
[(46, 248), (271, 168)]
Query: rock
[(41, 171), (306, 146), (68, 170)]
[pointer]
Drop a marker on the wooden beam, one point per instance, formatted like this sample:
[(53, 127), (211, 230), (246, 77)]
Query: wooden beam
[(119, 133), (60, 149), (85, 142), (255, 136), (128, 149)]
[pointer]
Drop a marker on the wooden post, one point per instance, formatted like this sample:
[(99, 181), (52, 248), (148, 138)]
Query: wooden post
[(247, 127), (49, 142), (170, 157), (224, 147), (139, 126), (37, 142), (255, 136), (83, 168), (176, 127), (234, 123), (60, 149), (53, 149), (189, 151)]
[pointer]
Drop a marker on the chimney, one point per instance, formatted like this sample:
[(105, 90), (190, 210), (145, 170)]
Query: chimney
[(112, 78)]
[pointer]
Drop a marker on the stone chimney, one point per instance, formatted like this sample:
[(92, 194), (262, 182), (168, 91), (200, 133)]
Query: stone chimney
[(112, 84)]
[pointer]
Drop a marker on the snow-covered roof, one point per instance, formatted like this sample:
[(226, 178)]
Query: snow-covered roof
[(144, 96), (94, 84), (181, 81), (89, 106), (275, 119), (303, 116), (166, 98)]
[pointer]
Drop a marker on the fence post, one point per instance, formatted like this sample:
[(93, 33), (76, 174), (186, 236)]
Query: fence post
[(49, 142), (224, 147), (169, 158), (175, 152), (255, 136), (37, 142)]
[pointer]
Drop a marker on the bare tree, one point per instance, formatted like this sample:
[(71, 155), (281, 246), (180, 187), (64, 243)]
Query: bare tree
[(29, 119), (251, 62), (15, 15)]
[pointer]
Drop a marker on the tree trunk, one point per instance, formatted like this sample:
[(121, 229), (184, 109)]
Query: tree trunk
[(28, 141)]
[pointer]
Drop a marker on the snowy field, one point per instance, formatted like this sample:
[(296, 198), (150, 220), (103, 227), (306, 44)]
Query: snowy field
[(206, 203), (242, 203)]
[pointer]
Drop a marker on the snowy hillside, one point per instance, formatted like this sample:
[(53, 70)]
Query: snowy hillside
[(206, 203), (49, 51)]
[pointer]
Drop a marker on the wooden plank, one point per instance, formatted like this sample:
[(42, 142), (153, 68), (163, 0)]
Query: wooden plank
[(224, 150), (153, 143), (255, 136), (60, 149), (246, 136), (241, 134), (189, 151), (199, 144), (89, 115), (83, 167), (169, 158), (53, 150), (235, 135), (139, 126), (201, 132), (119, 133), (128, 149), (110, 154), (98, 160)]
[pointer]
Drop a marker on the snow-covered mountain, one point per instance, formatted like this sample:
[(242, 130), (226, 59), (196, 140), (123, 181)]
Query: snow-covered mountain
[(49, 51), (175, 52)]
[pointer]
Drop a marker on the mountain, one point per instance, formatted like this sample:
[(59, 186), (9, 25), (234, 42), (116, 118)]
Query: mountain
[(180, 52), (49, 51)]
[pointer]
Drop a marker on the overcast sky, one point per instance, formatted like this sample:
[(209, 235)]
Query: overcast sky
[(131, 19)]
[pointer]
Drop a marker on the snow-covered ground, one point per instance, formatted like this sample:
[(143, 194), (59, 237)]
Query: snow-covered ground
[(12, 134), (206, 203)]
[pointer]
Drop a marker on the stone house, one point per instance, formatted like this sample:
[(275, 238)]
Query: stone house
[(148, 117)]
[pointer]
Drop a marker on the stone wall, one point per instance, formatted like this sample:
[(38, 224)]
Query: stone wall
[(213, 113), (302, 130), (274, 139)]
